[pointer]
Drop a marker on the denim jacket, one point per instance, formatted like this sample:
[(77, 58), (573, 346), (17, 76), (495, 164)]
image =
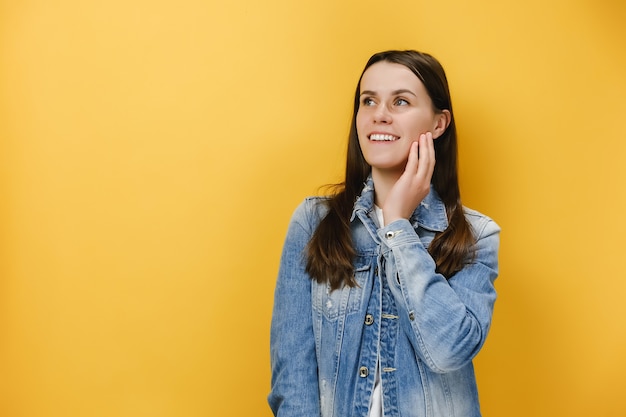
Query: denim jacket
[(421, 329)]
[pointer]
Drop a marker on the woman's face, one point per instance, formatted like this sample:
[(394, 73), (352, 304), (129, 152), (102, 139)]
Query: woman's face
[(394, 111)]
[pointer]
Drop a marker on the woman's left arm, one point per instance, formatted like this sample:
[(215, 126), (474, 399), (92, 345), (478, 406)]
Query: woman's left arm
[(447, 320)]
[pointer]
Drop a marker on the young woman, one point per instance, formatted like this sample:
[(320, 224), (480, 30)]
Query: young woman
[(386, 289)]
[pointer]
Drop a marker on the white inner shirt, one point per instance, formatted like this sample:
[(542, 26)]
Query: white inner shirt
[(376, 406)]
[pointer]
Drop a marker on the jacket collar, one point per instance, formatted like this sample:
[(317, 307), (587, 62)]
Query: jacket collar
[(430, 214)]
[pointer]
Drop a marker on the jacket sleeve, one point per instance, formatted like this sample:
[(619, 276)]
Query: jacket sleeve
[(447, 321), (294, 386)]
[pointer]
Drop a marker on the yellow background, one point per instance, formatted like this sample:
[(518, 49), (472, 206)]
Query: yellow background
[(151, 154)]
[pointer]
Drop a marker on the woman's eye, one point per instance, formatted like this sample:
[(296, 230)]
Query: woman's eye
[(368, 101), (401, 102)]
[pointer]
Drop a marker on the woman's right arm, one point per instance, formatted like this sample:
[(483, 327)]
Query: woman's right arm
[(295, 390)]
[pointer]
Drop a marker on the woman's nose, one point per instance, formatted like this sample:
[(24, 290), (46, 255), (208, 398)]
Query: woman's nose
[(382, 114)]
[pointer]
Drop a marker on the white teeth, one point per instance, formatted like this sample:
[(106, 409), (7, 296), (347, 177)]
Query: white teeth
[(381, 137)]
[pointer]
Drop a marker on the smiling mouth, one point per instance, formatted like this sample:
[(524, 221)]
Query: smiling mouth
[(379, 137)]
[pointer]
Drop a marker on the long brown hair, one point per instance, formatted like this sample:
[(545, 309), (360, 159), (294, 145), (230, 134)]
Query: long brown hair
[(330, 252)]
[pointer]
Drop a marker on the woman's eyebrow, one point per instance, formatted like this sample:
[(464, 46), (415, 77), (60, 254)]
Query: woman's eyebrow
[(393, 93), (403, 91)]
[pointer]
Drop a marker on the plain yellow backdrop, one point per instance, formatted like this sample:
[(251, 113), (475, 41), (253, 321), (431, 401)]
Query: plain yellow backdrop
[(151, 154)]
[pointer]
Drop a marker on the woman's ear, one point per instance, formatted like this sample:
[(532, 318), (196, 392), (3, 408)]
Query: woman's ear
[(442, 121)]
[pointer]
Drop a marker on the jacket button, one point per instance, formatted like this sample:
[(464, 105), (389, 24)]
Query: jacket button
[(363, 372), (369, 319), (411, 316)]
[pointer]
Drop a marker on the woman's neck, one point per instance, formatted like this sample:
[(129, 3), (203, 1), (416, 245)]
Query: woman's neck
[(383, 181)]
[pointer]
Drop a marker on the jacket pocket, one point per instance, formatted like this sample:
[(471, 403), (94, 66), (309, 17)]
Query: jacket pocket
[(344, 300)]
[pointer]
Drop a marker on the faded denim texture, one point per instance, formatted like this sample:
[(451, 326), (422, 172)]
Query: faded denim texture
[(425, 329)]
